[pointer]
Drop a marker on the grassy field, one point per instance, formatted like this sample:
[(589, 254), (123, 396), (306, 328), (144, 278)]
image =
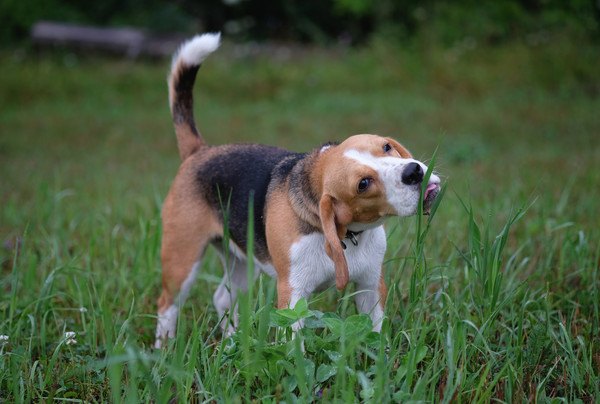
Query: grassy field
[(498, 297)]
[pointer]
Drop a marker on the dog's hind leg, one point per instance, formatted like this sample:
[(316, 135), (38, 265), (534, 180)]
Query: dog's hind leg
[(235, 279), (187, 230), (169, 304)]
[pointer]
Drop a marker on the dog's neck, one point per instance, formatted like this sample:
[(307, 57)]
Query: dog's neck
[(304, 197)]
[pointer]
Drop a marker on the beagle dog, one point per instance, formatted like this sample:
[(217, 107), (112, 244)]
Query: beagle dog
[(318, 216)]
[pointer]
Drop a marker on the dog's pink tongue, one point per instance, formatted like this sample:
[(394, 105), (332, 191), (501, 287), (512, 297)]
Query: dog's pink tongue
[(429, 188)]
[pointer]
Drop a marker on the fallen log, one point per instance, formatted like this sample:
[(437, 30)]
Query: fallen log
[(131, 42)]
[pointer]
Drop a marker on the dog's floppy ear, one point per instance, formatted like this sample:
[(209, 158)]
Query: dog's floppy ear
[(399, 148), (335, 216)]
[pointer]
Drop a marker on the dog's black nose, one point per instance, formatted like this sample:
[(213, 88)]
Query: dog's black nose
[(412, 174)]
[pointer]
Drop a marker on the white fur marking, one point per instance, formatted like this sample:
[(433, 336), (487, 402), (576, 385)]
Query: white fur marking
[(311, 269), (357, 226), (194, 51), (368, 301), (165, 328)]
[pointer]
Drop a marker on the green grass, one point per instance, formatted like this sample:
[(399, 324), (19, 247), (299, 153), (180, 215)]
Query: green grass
[(498, 297)]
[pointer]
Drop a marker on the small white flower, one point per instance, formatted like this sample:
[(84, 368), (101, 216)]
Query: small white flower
[(70, 338), (3, 339), (82, 310)]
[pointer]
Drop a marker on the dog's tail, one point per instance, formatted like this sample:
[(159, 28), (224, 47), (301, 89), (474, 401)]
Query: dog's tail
[(186, 62)]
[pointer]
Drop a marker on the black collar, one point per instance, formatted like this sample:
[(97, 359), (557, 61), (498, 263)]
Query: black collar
[(351, 235)]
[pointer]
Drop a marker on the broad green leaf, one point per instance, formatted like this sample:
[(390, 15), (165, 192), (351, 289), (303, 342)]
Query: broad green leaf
[(309, 369), (334, 324), (301, 308), (283, 318), (286, 365), (324, 372), (334, 356), (358, 325), (367, 390), (291, 383)]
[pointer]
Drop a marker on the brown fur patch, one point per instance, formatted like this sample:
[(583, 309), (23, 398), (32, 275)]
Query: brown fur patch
[(304, 193), (374, 144), (334, 220), (382, 291), (282, 231), (189, 224)]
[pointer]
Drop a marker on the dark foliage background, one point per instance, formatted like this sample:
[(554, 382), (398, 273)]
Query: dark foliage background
[(327, 21)]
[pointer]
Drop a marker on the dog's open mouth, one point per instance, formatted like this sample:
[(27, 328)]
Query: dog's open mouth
[(431, 192)]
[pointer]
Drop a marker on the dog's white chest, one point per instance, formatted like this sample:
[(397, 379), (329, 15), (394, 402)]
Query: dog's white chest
[(311, 268)]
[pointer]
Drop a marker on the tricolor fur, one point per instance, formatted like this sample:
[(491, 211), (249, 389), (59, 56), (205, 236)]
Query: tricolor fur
[(318, 215)]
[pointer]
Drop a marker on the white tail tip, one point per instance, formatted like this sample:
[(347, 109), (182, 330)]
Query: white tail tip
[(194, 51)]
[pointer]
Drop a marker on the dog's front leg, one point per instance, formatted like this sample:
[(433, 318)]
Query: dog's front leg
[(370, 298)]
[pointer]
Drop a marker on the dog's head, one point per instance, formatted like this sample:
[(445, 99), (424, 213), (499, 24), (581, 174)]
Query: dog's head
[(365, 179)]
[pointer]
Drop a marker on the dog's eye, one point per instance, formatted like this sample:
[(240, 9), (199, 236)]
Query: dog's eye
[(387, 147), (364, 184)]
